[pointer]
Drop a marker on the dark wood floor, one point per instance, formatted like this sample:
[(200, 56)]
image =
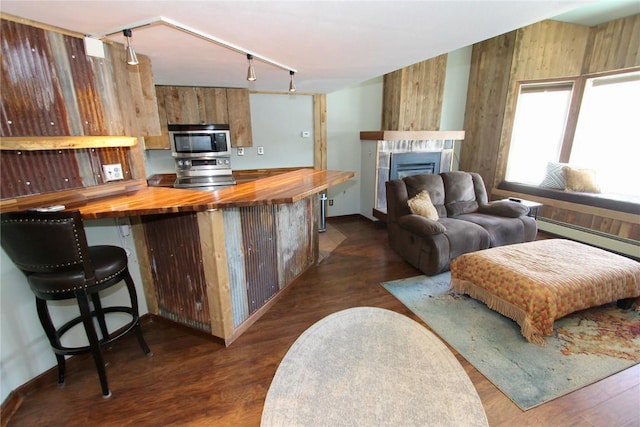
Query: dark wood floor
[(193, 380)]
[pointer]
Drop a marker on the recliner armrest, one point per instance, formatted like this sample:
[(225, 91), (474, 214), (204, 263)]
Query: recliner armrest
[(420, 225), (504, 208)]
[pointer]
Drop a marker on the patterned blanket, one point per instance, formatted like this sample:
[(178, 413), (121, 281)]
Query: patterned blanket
[(537, 282)]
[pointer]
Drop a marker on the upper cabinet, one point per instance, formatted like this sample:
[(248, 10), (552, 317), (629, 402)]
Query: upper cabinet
[(51, 88), (191, 105), (239, 117)]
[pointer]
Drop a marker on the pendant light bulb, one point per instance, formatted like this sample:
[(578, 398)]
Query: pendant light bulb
[(251, 73), (292, 84), (132, 58)]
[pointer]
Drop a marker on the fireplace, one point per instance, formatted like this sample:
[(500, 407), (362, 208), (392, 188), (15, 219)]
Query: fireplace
[(388, 155), (407, 164)]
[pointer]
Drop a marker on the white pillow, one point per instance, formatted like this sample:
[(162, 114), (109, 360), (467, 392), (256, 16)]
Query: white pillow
[(555, 176), (421, 205)]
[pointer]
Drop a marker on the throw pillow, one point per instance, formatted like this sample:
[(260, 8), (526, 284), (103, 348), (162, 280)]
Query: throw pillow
[(554, 177), (583, 180), (421, 205)]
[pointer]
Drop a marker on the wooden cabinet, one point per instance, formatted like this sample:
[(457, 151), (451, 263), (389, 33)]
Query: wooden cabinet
[(239, 117), (190, 105)]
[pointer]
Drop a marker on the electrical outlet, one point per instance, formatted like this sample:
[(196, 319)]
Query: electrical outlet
[(112, 172), (260, 151), (240, 151), (330, 202)]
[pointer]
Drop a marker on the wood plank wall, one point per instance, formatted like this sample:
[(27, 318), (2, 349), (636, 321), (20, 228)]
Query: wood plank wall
[(548, 49), (615, 45), (51, 88), (412, 96), (543, 50), (486, 100)]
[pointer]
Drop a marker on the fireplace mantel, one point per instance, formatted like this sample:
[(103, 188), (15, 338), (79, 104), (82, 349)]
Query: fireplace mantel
[(412, 135)]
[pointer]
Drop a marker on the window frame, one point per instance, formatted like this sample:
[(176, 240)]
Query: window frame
[(579, 83)]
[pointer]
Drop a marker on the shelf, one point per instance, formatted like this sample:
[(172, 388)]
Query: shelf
[(35, 143)]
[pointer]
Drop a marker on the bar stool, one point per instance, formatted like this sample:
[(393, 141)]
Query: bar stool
[(51, 249)]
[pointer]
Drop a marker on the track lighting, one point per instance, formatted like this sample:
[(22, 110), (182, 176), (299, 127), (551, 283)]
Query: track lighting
[(292, 84), (162, 20), (251, 73), (132, 58)]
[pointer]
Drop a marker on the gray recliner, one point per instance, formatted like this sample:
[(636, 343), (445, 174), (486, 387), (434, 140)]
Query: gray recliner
[(467, 220)]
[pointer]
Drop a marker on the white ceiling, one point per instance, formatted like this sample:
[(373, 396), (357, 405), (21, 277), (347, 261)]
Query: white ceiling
[(331, 44)]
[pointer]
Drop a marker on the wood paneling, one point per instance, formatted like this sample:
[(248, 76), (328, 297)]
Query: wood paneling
[(320, 131), (615, 45), (412, 96), (486, 98), (392, 100)]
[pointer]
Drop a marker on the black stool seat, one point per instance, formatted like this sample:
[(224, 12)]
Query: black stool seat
[(109, 262), (51, 250)]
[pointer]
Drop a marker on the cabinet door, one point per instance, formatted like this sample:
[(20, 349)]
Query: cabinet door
[(239, 117), (160, 142), (181, 105), (213, 105)]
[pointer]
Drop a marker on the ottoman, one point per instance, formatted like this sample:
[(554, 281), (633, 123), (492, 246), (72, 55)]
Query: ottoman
[(535, 283)]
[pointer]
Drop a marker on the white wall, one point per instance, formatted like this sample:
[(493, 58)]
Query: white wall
[(455, 95), (24, 349), (350, 111), (277, 123)]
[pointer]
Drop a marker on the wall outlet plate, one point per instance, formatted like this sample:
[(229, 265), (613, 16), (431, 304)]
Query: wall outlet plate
[(240, 151), (112, 172), (260, 151)]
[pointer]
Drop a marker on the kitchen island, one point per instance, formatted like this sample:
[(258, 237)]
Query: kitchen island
[(215, 261)]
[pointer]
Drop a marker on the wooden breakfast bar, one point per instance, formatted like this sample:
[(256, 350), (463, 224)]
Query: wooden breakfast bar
[(216, 261)]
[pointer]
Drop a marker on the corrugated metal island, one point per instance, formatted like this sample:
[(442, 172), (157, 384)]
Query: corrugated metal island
[(216, 261)]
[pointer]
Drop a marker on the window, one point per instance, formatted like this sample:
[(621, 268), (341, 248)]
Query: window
[(600, 132), (538, 129)]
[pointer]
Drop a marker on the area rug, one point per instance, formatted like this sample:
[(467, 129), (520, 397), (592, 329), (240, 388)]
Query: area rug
[(586, 346), (368, 366)]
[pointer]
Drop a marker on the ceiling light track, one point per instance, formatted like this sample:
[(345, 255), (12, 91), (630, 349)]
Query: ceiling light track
[(162, 20)]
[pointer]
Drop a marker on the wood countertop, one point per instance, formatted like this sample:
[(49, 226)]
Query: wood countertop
[(283, 188)]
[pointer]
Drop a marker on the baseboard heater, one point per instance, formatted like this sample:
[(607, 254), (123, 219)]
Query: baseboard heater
[(621, 245)]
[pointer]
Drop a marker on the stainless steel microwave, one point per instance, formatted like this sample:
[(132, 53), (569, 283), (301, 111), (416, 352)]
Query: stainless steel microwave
[(201, 140)]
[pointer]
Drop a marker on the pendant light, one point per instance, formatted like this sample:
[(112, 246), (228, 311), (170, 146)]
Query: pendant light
[(292, 84), (251, 73), (132, 58)]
